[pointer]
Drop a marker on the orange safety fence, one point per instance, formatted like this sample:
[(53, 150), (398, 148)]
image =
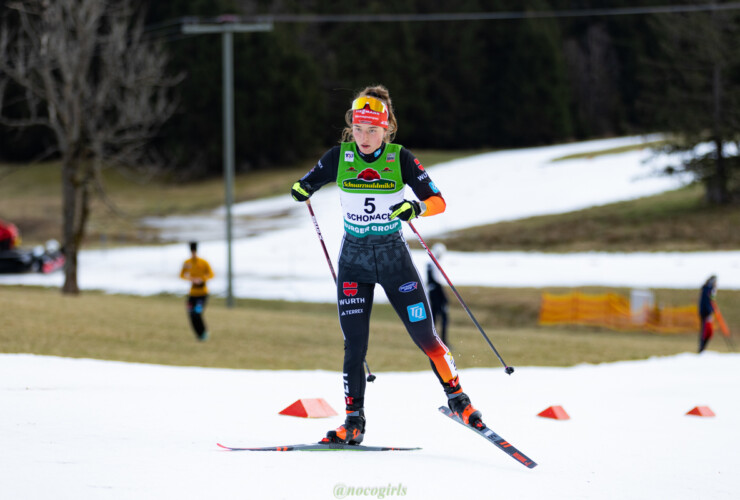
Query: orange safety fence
[(613, 311)]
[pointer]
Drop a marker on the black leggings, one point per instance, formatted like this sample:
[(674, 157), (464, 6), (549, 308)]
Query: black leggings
[(196, 306), (385, 261)]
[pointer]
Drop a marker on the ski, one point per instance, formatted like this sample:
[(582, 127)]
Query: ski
[(320, 447), (493, 438)]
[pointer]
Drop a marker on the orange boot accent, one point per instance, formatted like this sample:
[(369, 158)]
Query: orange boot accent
[(467, 413), (341, 434), (351, 432)]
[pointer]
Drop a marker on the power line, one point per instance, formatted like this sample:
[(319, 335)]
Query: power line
[(482, 16), (170, 30)]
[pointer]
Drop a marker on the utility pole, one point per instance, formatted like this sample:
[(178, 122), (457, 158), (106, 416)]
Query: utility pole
[(227, 25)]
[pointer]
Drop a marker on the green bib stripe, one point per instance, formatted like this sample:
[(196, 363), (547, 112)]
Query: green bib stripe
[(367, 190)]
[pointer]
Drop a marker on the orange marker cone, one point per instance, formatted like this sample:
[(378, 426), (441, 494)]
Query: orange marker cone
[(309, 408), (555, 412), (701, 411)]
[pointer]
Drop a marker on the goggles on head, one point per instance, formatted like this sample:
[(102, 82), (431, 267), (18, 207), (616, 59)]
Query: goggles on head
[(370, 111)]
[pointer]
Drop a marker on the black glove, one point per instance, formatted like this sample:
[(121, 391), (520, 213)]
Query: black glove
[(406, 210), (301, 191)]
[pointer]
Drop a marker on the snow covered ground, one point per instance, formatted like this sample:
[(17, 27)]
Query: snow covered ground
[(84, 429), (76, 428)]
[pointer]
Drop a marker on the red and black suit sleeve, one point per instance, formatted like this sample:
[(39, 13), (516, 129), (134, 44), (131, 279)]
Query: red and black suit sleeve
[(418, 179)]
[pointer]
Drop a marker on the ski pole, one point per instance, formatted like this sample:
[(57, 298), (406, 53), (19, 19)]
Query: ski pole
[(370, 376), (508, 369), (321, 239)]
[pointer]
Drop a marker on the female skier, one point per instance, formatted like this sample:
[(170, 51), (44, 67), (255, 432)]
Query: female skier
[(372, 173)]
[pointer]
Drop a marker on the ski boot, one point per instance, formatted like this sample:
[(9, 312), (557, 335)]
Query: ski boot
[(460, 404), (352, 432)]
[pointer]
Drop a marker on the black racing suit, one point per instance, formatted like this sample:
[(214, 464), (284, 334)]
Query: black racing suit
[(385, 260)]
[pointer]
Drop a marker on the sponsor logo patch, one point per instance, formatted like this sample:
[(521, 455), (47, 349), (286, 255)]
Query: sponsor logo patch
[(350, 288), (360, 184), (369, 179), (362, 231), (366, 217), (369, 174), (349, 156), (348, 302), (417, 312), (434, 187), (408, 287), (390, 157)]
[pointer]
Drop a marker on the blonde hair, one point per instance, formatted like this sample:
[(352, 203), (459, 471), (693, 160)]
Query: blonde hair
[(379, 92)]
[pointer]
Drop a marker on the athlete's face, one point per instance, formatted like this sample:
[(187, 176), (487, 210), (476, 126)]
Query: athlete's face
[(368, 137)]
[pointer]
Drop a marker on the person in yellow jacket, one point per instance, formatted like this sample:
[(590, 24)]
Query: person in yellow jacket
[(198, 271)]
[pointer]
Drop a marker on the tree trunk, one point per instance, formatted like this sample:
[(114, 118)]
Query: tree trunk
[(717, 191), (69, 211)]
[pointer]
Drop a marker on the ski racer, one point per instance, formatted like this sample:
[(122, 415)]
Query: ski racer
[(372, 173)]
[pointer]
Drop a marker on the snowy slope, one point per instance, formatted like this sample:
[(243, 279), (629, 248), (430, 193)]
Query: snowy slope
[(74, 429)]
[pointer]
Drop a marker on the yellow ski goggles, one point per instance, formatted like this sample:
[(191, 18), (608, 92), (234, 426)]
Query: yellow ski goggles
[(370, 111), (369, 102)]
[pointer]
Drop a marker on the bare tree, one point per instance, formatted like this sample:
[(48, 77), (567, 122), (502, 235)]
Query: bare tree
[(88, 73)]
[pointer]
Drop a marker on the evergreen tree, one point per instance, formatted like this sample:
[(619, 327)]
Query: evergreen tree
[(277, 105), (694, 93)]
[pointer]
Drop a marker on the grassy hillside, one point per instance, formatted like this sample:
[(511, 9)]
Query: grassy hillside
[(284, 335)]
